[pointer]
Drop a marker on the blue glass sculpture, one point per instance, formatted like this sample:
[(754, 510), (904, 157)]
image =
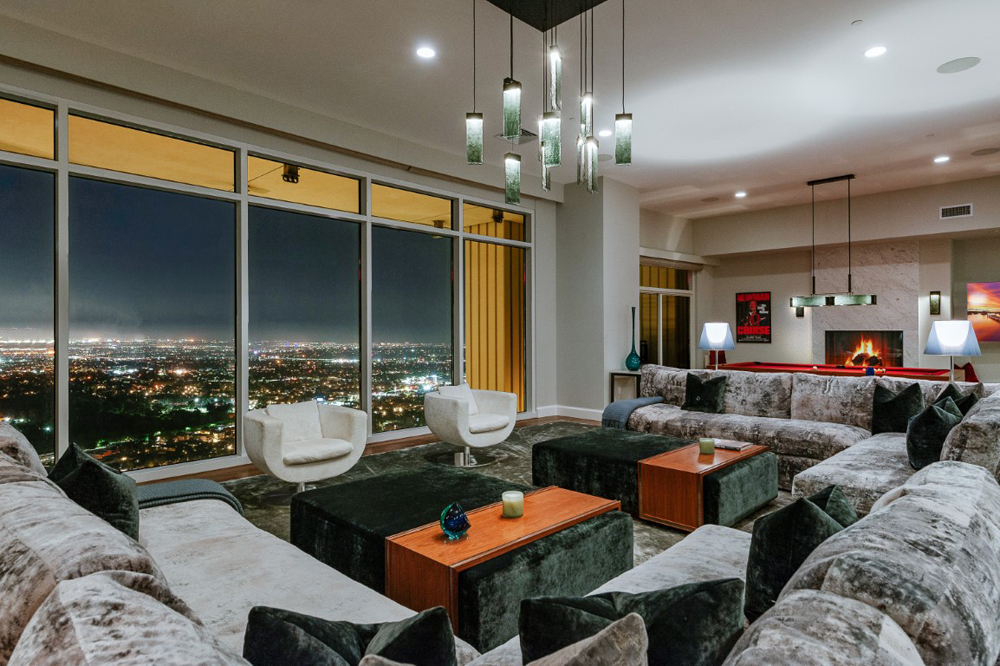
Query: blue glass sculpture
[(632, 361), (454, 522)]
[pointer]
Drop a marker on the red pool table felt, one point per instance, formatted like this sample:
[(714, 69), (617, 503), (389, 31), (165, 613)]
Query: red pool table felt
[(939, 374)]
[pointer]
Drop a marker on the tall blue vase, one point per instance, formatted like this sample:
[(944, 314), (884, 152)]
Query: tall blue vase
[(632, 361)]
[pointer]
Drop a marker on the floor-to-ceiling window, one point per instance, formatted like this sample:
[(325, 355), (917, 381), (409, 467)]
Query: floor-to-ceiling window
[(305, 309), (27, 228), (152, 321), (665, 316), (176, 279), (412, 319)]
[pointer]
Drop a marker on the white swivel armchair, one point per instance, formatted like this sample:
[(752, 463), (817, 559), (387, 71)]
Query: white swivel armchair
[(471, 419), (306, 441)]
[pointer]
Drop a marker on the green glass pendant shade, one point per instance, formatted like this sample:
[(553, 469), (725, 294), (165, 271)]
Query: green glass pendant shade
[(591, 149), (551, 133), (555, 78), (511, 109), (474, 138), (546, 178), (580, 148), (623, 138), (512, 169), (587, 114)]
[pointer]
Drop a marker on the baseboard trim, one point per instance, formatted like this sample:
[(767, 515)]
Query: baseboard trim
[(575, 412)]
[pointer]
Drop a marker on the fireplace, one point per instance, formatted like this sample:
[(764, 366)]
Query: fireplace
[(864, 348)]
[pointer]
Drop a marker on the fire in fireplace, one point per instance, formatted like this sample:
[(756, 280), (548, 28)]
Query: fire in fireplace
[(864, 348)]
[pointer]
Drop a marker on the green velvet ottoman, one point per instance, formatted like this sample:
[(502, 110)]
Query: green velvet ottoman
[(345, 526), (605, 463)]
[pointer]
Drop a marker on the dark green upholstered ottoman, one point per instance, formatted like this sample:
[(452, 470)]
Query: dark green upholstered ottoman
[(346, 525), (606, 463)]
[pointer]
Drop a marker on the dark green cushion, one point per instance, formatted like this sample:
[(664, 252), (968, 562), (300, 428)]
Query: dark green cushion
[(891, 412), (695, 624), (834, 502), (736, 491), (705, 395), (781, 542), (99, 489), (927, 431), (275, 636), (964, 401)]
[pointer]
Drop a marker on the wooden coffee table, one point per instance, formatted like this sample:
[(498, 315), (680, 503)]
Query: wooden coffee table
[(422, 566), (671, 484)]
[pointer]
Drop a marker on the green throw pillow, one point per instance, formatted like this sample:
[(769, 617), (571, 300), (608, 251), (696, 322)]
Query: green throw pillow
[(891, 412), (781, 542), (964, 401), (695, 624), (275, 636), (834, 502), (927, 431), (103, 491), (705, 395)]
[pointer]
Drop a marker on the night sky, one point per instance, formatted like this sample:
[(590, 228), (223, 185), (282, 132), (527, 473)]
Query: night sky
[(150, 264), (27, 230)]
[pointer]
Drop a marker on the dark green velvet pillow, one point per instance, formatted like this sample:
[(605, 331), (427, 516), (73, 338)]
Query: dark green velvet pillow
[(705, 395), (964, 401), (103, 491), (695, 624), (781, 542), (927, 431), (834, 502), (275, 636), (891, 412)]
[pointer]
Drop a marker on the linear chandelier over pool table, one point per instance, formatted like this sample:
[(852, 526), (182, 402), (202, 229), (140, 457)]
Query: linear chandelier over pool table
[(814, 300)]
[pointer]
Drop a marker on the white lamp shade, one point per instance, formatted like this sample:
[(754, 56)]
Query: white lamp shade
[(716, 335), (952, 338)]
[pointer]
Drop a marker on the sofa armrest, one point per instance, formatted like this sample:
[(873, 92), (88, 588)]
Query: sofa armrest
[(976, 440), (447, 417)]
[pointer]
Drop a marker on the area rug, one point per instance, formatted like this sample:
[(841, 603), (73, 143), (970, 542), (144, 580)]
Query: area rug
[(513, 463)]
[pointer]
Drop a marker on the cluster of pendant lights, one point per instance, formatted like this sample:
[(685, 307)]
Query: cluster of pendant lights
[(550, 122)]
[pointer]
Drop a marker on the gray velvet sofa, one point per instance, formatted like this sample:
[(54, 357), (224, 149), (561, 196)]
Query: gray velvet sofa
[(808, 419)]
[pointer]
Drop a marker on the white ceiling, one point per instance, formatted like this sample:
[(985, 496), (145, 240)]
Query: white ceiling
[(727, 94)]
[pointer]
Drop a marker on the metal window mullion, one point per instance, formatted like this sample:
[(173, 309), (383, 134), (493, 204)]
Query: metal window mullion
[(529, 327), (18, 160), (412, 226), (316, 211), (458, 295), (61, 318), (659, 329), (496, 241), (242, 300), (365, 347), (111, 176)]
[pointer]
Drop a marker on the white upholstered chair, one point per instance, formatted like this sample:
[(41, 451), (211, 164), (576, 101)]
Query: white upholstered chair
[(306, 441), (471, 419)]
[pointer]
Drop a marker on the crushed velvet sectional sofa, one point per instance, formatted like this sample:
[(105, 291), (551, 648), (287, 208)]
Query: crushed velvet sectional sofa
[(816, 421)]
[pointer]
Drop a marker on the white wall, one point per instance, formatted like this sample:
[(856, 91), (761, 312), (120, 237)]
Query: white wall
[(546, 305), (661, 231), (621, 273), (935, 275), (976, 260)]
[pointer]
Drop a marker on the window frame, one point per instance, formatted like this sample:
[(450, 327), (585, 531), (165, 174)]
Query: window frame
[(64, 169)]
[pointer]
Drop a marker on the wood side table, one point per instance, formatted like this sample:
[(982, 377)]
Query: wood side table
[(422, 565), (671, 484)]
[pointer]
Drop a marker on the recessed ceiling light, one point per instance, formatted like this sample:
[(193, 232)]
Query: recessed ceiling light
[(958, 65), (741, 195), (426, 52), (941, 159), (875, 51), (604, 132), (982, 152)]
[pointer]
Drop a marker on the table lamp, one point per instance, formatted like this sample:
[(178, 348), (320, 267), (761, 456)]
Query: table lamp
[(716, 336), (951, 339)]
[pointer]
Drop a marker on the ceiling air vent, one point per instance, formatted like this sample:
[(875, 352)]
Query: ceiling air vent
[(962, 210)]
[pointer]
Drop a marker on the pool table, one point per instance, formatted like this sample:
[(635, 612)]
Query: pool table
[(933, 374)]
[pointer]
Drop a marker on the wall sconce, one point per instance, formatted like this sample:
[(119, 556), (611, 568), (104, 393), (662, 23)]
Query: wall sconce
[(800, 312), (935, 302)]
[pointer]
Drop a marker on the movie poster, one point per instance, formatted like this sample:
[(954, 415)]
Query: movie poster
[(753, 317)]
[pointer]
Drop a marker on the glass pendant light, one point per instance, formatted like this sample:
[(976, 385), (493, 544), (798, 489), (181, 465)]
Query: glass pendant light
[(551, 134), (591, 150), (623, 120), (512, 169), (623, 139), (474, 121), (511, 96), (587, 114), (555, 78)]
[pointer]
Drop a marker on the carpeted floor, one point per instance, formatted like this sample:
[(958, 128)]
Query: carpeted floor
[(513, 463)]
